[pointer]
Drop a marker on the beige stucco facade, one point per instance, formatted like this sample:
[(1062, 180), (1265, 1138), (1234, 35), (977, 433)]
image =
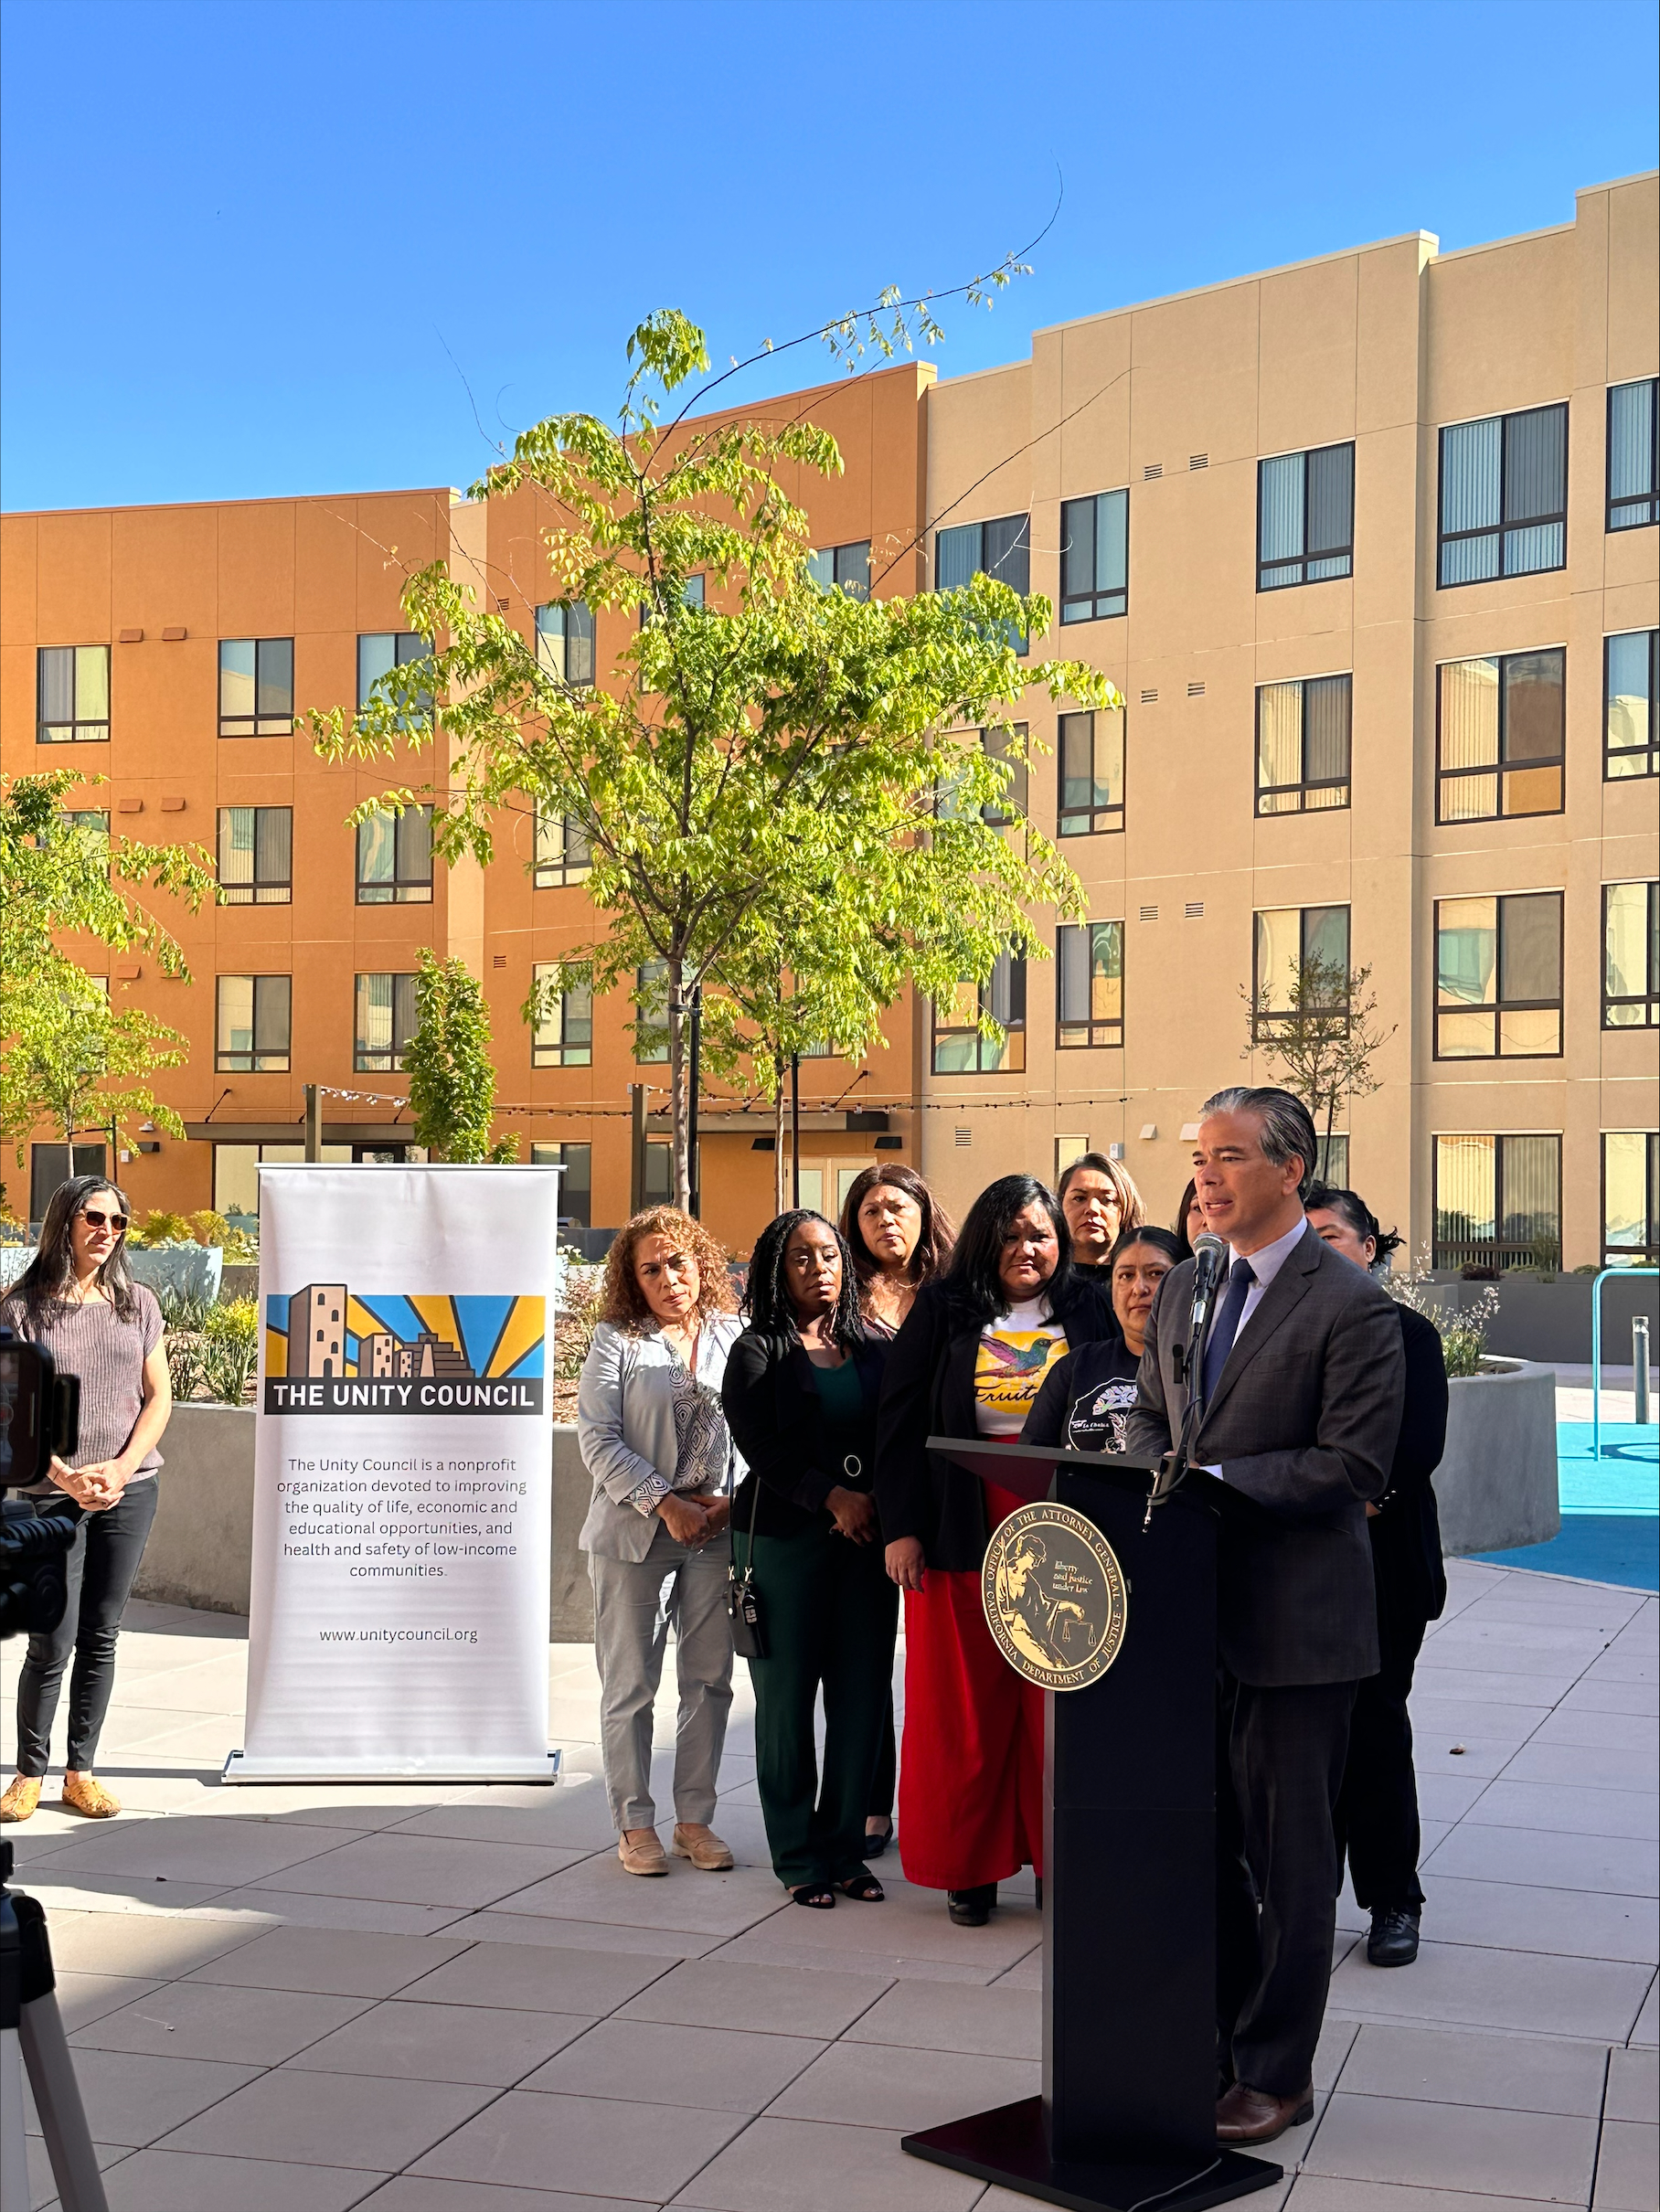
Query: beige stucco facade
[(1178, 401)]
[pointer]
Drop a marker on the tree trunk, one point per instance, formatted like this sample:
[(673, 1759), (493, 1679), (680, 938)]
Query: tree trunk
[(680, 1151)]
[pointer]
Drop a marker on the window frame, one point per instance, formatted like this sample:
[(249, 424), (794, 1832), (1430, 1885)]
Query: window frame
[(1305, 783), (259, 890), (1500, 1006), (282, 725), (1499, 768), (384, 1059), (1011, 1054), (564, 1053), (1651, 498), (554, 875), (402, 890), (255, 1061), (97, 728), (1650, 751), (400, 659), (1267, 1023), (992, 743), (1647, 1254), (854, 587), (1087, 606), (1112, 1027), (1488, 1251), (567, 1185), (657, 1055), (1504, 525), (543, 636), (1066, 818), (1648, 1000), (1302, 561)]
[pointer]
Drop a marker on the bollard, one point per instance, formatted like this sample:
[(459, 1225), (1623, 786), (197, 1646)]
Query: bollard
[(1639, 1363)]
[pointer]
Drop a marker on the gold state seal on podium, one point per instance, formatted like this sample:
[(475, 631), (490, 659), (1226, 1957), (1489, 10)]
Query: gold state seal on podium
[(1055, 1597)]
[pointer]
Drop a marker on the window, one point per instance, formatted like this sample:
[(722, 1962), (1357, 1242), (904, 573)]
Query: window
[(564, 641), (651, 1013), (73, 694), (692, 592), (563, 1036), (659, 1173), (236, 1176), (576, 1185), (1302, 745), (385, 1021), (1630, 955), (1092, 774), (92, 821), (1090, 984), (1305, 517), (256, 856), (1630, 1198), (959, 1048), (1300, 966), (1633, 455), (1499, 1201), (49, 1165), (1499, 730), (1631, 741), (1498, 977), (561, 849), (1009, 806), (1000, 549), (395, 858), (842, 569), (253, 1027), (1504, 496), (256, 686), (1095, 557), (381, 651)]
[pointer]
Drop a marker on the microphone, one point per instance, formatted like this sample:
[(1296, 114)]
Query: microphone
[(1209, 1261)]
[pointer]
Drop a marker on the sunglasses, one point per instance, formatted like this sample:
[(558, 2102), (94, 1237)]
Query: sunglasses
[(94, 1221)]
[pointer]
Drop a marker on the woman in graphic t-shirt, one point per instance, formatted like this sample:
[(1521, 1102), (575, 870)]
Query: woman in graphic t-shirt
[(1086, 1397), (969, 1361)]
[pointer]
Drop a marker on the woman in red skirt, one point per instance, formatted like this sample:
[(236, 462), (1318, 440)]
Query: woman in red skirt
[(968, 1361)]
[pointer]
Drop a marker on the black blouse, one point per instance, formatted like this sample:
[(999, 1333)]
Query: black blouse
[(795, 1454), (1086, 1399)]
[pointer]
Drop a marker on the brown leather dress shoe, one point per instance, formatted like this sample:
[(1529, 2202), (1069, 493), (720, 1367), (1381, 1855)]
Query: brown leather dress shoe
[(1247, 2115), (706, 1851)]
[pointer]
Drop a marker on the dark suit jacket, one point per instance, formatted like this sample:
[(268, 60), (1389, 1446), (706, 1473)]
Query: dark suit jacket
[(1405, 1535), (1302, 1423), (929, 1390), (771, 1397)]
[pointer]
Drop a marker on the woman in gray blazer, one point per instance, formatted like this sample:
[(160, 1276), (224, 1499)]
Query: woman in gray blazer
[(655, 1439)]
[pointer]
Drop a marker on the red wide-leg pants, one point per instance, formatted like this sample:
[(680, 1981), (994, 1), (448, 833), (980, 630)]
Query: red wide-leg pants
[(971, 1776)]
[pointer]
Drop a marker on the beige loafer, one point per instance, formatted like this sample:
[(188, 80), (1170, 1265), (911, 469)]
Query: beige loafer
[(641, 1858), (705, 1851), (85, 1794), (21, 1797)]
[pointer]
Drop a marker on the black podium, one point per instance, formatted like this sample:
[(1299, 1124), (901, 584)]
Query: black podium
[(1127, 2116)]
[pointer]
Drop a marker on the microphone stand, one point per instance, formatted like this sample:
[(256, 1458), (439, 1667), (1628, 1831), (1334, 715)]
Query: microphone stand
[(1207, 1276)]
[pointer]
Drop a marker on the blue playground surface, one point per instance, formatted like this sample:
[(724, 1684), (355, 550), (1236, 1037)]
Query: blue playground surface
[(1610, 1509)]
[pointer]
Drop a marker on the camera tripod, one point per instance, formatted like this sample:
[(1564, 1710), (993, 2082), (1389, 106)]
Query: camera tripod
[(32, 2038)]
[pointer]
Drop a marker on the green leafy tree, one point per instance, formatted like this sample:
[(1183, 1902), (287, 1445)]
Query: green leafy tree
[(448, 1061), (1322, 1039), (746, 735), (67, 1054)]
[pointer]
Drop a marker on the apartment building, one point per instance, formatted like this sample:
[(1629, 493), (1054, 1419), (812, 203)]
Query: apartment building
[(1369, 547)]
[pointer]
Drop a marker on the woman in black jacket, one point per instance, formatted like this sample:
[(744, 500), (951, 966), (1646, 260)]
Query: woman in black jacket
[(800, 1394), (968, 1361), (1085, 1401), (1376, 1810)]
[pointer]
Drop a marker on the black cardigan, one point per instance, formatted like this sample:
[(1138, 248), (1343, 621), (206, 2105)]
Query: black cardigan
[(773, 1410), (1405, 1530), (929, 1392)]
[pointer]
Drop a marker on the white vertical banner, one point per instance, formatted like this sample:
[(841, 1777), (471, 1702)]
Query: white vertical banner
[(403, 1475)]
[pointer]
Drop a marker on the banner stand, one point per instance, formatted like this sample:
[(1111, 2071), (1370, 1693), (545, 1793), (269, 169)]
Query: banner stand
[(403, 1476), (239, 1767)]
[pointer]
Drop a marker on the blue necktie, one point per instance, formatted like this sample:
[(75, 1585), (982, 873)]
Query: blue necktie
[(1225, 1323)]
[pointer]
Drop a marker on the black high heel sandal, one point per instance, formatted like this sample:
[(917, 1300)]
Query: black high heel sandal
[(864, 1888), (817, 1896)]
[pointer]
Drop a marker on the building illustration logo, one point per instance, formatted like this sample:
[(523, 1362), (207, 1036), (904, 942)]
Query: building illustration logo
[(330, 1349)]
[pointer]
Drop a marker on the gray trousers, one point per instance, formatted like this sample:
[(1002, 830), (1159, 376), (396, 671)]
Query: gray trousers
[(634, 1605)]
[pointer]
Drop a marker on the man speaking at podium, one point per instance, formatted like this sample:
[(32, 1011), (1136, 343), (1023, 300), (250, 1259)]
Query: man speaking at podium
[(1300, 1376)]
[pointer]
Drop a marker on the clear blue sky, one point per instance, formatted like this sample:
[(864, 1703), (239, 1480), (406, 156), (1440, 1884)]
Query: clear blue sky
[(242, 239)]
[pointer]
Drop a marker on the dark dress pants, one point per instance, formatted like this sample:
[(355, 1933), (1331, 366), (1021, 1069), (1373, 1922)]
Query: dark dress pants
[(1278, 1877), (829, 1614), (1376, 1810), (102, 1568)]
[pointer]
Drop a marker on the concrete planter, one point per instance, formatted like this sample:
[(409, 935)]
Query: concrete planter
[(1496, 1485), (1542, 1317), (200, 1551), (191, 1271)]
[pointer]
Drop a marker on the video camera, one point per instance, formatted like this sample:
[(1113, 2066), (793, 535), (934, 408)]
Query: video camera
[(40, 1419)]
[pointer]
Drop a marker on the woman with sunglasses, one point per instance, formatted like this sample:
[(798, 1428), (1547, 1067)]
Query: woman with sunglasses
[(78, 1301)]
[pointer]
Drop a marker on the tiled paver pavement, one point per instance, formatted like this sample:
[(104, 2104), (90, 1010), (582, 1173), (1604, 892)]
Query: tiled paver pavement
[(452, 2000)]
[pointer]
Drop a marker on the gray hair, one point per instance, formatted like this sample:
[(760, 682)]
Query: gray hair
[(1288, 1127)]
